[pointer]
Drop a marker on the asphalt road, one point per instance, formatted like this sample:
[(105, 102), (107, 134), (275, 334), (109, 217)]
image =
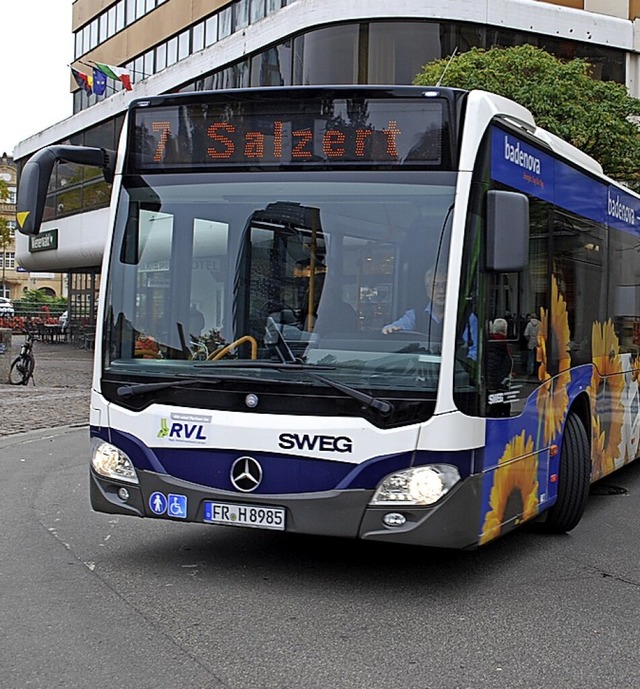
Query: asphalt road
[(92, 600)]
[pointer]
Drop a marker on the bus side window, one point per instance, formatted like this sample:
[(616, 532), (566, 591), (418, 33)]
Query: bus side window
[(579, 260), (503, 302)]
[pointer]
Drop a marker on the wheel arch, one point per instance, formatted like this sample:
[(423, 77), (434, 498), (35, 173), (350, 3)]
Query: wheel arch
[(575, 469), (581, 407)]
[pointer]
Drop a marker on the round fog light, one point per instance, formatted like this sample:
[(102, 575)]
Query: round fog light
[(123, 494), (394, 519)]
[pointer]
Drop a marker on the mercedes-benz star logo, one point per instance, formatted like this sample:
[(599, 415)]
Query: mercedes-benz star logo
[(246, 474)]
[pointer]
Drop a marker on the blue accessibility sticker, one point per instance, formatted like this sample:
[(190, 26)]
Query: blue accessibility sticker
[(177, 506), (158, 503)]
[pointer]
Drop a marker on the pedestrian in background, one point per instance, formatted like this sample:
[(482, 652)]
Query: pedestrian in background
[(499, 367), (531, 336)]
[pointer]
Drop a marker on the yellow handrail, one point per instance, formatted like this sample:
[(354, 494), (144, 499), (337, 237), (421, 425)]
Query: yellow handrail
[(214, 356)]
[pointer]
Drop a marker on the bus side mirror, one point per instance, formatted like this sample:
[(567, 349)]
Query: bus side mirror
[(35, 176), (32, 191), (507, 239)]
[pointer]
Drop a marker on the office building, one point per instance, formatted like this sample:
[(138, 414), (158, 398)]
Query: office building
[(175, 45)]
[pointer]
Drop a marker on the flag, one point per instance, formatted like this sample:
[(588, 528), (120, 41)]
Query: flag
[(84, 81), (99, 81), (117, 73)]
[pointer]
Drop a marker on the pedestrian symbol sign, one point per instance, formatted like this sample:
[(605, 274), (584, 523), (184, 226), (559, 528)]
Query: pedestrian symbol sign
[(177, 506), (158, 503), (173, 505)]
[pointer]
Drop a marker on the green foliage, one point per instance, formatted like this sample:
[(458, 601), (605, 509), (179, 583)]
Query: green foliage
[(33, 300), (5, 233), (595, 116), (5, 230)]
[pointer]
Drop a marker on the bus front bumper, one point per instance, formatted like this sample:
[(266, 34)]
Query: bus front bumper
[(453, 522)]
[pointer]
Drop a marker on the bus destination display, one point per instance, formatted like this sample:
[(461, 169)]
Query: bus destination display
[(397, 132)]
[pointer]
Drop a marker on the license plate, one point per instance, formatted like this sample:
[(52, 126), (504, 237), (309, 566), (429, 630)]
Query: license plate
[(244, 515)]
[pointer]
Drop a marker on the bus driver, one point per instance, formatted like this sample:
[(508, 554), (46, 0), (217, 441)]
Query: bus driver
[(429, 318)]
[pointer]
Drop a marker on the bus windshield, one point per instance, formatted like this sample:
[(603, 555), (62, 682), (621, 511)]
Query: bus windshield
[(237, 273)]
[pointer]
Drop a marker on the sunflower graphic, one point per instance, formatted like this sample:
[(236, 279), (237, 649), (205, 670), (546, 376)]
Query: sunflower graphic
[(635, 369), (607, 385), (515, 487), (553, 400)]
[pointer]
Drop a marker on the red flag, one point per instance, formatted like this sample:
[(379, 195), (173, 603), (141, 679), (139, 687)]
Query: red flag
[(84, 81), (118, 73)]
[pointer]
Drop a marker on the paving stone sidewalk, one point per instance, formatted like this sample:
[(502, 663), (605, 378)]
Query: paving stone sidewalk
[(61, 394)]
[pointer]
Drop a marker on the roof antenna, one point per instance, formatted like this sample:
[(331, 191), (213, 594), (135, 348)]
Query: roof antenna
[(444, 71)]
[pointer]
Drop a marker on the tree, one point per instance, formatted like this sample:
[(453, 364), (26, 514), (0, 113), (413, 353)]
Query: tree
[(5, 233), (598, 117)]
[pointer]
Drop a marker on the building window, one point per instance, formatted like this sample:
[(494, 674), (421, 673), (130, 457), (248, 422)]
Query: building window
[(211, 30), (225, 20), (172, 51), (148, 64), (327, 56), (93, 34), (161, 57), (241, 14), (272, 67), (103, 26), (120, 16), (111, 21), (10, 258), (197, 37), (397, 50), (138, 69), (131, 12), (183, 44), (257, 10)]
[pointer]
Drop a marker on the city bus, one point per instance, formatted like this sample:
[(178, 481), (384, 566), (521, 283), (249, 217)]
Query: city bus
[(307, 295)]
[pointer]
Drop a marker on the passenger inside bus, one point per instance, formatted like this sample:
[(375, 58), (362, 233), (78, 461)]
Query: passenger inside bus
[(330, 312), (499, 367)]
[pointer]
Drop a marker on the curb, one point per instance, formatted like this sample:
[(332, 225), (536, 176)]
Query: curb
[(40, 434)]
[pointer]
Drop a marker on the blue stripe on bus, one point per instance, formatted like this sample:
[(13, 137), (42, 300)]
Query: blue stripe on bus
[(524, 167), (281, 473)]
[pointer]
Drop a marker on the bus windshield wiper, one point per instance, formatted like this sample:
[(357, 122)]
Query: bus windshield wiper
[(290, 361), (383, 406), (309, 370), (142, 388)]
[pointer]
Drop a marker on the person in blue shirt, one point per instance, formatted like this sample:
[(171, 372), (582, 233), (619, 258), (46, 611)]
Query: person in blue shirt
[(428, 320)]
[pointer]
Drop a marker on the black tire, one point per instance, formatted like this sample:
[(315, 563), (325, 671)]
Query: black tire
[(574, 479), (16, 372), (30, 365), (21, 370)]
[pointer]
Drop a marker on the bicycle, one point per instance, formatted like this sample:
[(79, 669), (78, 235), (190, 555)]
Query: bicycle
[(24, 364)]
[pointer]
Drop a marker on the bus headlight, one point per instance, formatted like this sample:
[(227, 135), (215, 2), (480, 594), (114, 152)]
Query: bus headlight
[(417, 486), (107, 460)]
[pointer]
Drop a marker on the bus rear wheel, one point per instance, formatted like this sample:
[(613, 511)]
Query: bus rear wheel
[(574, 478)]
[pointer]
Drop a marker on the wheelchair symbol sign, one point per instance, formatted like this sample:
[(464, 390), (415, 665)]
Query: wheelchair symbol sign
[(177, 506)]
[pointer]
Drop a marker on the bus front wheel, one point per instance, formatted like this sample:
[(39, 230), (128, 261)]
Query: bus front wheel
[(574, 477)]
